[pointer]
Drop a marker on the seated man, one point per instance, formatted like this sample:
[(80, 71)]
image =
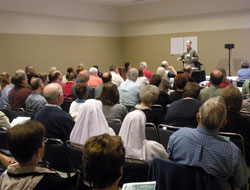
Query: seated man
[(182, 113), (244, 72), (103, 159), (57, 122), (94, 80), (129, 90), (26, 143), (216, 78), (35, 101), (203, 147)]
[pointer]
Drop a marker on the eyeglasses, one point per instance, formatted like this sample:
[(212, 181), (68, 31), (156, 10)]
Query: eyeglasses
[(45, 139)]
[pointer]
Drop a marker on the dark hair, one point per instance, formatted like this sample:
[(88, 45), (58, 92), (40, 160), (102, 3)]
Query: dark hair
[(106, 77), (18, 78), (25, 139), (180, 81), (70, 69), (54, 76), (35, 83), (232, 97), (155, 79), (216, 80), (103, 158), (81, 90), (126, 65), (71, 76), (140, 72), (43, 76), (110, 94), (191, 89)]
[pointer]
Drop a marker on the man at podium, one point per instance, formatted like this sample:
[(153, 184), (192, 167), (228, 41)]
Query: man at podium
[(189, 56)]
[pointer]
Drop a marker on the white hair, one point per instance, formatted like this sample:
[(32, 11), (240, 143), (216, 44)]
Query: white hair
[(164, 63), (93, 70), (143, 64)]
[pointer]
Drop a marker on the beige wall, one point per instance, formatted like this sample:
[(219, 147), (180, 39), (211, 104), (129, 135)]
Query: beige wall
[(155, 48), (44, 51)]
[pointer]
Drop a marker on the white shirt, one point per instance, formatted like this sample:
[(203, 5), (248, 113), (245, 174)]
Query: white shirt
[(116, 79)]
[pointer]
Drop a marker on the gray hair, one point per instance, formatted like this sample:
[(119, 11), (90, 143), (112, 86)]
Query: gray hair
[(161, 71), (164, 63), (51, 92), (149, 94), (143, 64), (93, 70), (18, 78), (132, 74), (213, 113)]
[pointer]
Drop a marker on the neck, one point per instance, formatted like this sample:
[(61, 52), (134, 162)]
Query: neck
[(143, 104)]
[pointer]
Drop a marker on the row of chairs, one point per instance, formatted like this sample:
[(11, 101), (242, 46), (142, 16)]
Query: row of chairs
[(13, 113)]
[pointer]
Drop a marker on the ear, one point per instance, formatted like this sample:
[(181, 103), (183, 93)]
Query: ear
[(198, 117)]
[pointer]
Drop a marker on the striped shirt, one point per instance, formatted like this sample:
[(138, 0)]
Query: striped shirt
[(202, 148)]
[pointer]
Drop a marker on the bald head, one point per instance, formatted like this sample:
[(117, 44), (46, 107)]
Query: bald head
[(52, 93), (83, 76), (106, 77), (132, 74), (36, 84), (216, 77)]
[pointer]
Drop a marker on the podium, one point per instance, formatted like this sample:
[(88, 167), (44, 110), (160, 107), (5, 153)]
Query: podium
[(199, 75)]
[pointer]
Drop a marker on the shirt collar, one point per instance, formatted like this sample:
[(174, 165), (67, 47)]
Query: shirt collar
[(206, 132), (53, 105), (80, 101)]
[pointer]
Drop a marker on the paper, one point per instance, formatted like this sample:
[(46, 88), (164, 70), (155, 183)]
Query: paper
[(19, 120), (139, 186)]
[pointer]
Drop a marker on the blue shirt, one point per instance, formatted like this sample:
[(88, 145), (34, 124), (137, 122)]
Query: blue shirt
[(129, 93), (35, 101), (206, 149), (4, 95), (244, 73)]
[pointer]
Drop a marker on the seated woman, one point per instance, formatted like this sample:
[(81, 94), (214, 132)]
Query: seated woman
[(67, 87), (91, 122), (148, 95), (103, 160), (26, 143), (141, 79), (180, 81), (110, 100), (165, 85), (76, 106), (133, 135)]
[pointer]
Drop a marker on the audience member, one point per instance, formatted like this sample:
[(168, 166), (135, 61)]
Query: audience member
[(106, 78), (67, 87), (116, 77), (129, 90), (80, 68), (127, 66), (110, 100), (103, 160), (164, 85), (246, 89), (35, 101), (203, 147), (20, 92), (148, 95), (57, 122), (170, 71), (76, 106), (83, 77), (188, 72), (216, 78), (30, 72), (56, 77), (244, 72), (91, 122), (144, 67), (94, 80), (180, 81), (162, 97), (225, 82), (26, 143), (182, 112), (5, 93), (44, 77), (65, 78), (141, 79), (99, 73), (133, 135), (4, 83), (236, 123)]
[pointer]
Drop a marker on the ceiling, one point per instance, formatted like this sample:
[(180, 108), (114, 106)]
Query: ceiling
[(121, 3)]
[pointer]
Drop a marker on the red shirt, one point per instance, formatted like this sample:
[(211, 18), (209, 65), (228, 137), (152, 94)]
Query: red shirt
[(147, 73), (67, 89), (94, 81)]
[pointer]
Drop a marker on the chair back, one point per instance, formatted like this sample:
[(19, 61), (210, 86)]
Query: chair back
[(134, 170), (115, 124), (151, 132), (164, 136), (239, 83), (66, 105), (56, 156), (159, 111), (170, 175), (169, 127), (237, 139), (75, 155), (3, 142)]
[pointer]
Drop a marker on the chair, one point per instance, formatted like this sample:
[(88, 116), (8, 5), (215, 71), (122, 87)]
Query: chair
[(66, 105), (164, 136), (237, 139), (239, 83), (151, 132), (134, 170), (115, 124), (159, 111), (170, 175), (75, 155), (3, 142), (56, 157), (169, 127)]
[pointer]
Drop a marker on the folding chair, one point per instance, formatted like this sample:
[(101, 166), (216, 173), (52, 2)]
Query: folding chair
[(164, 136), (56, 157), (75, 155), (151, 132), (66, 105), (115, 124), (159, 111), (169, 127), (237, 139), (3, 142), (134, 170)]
